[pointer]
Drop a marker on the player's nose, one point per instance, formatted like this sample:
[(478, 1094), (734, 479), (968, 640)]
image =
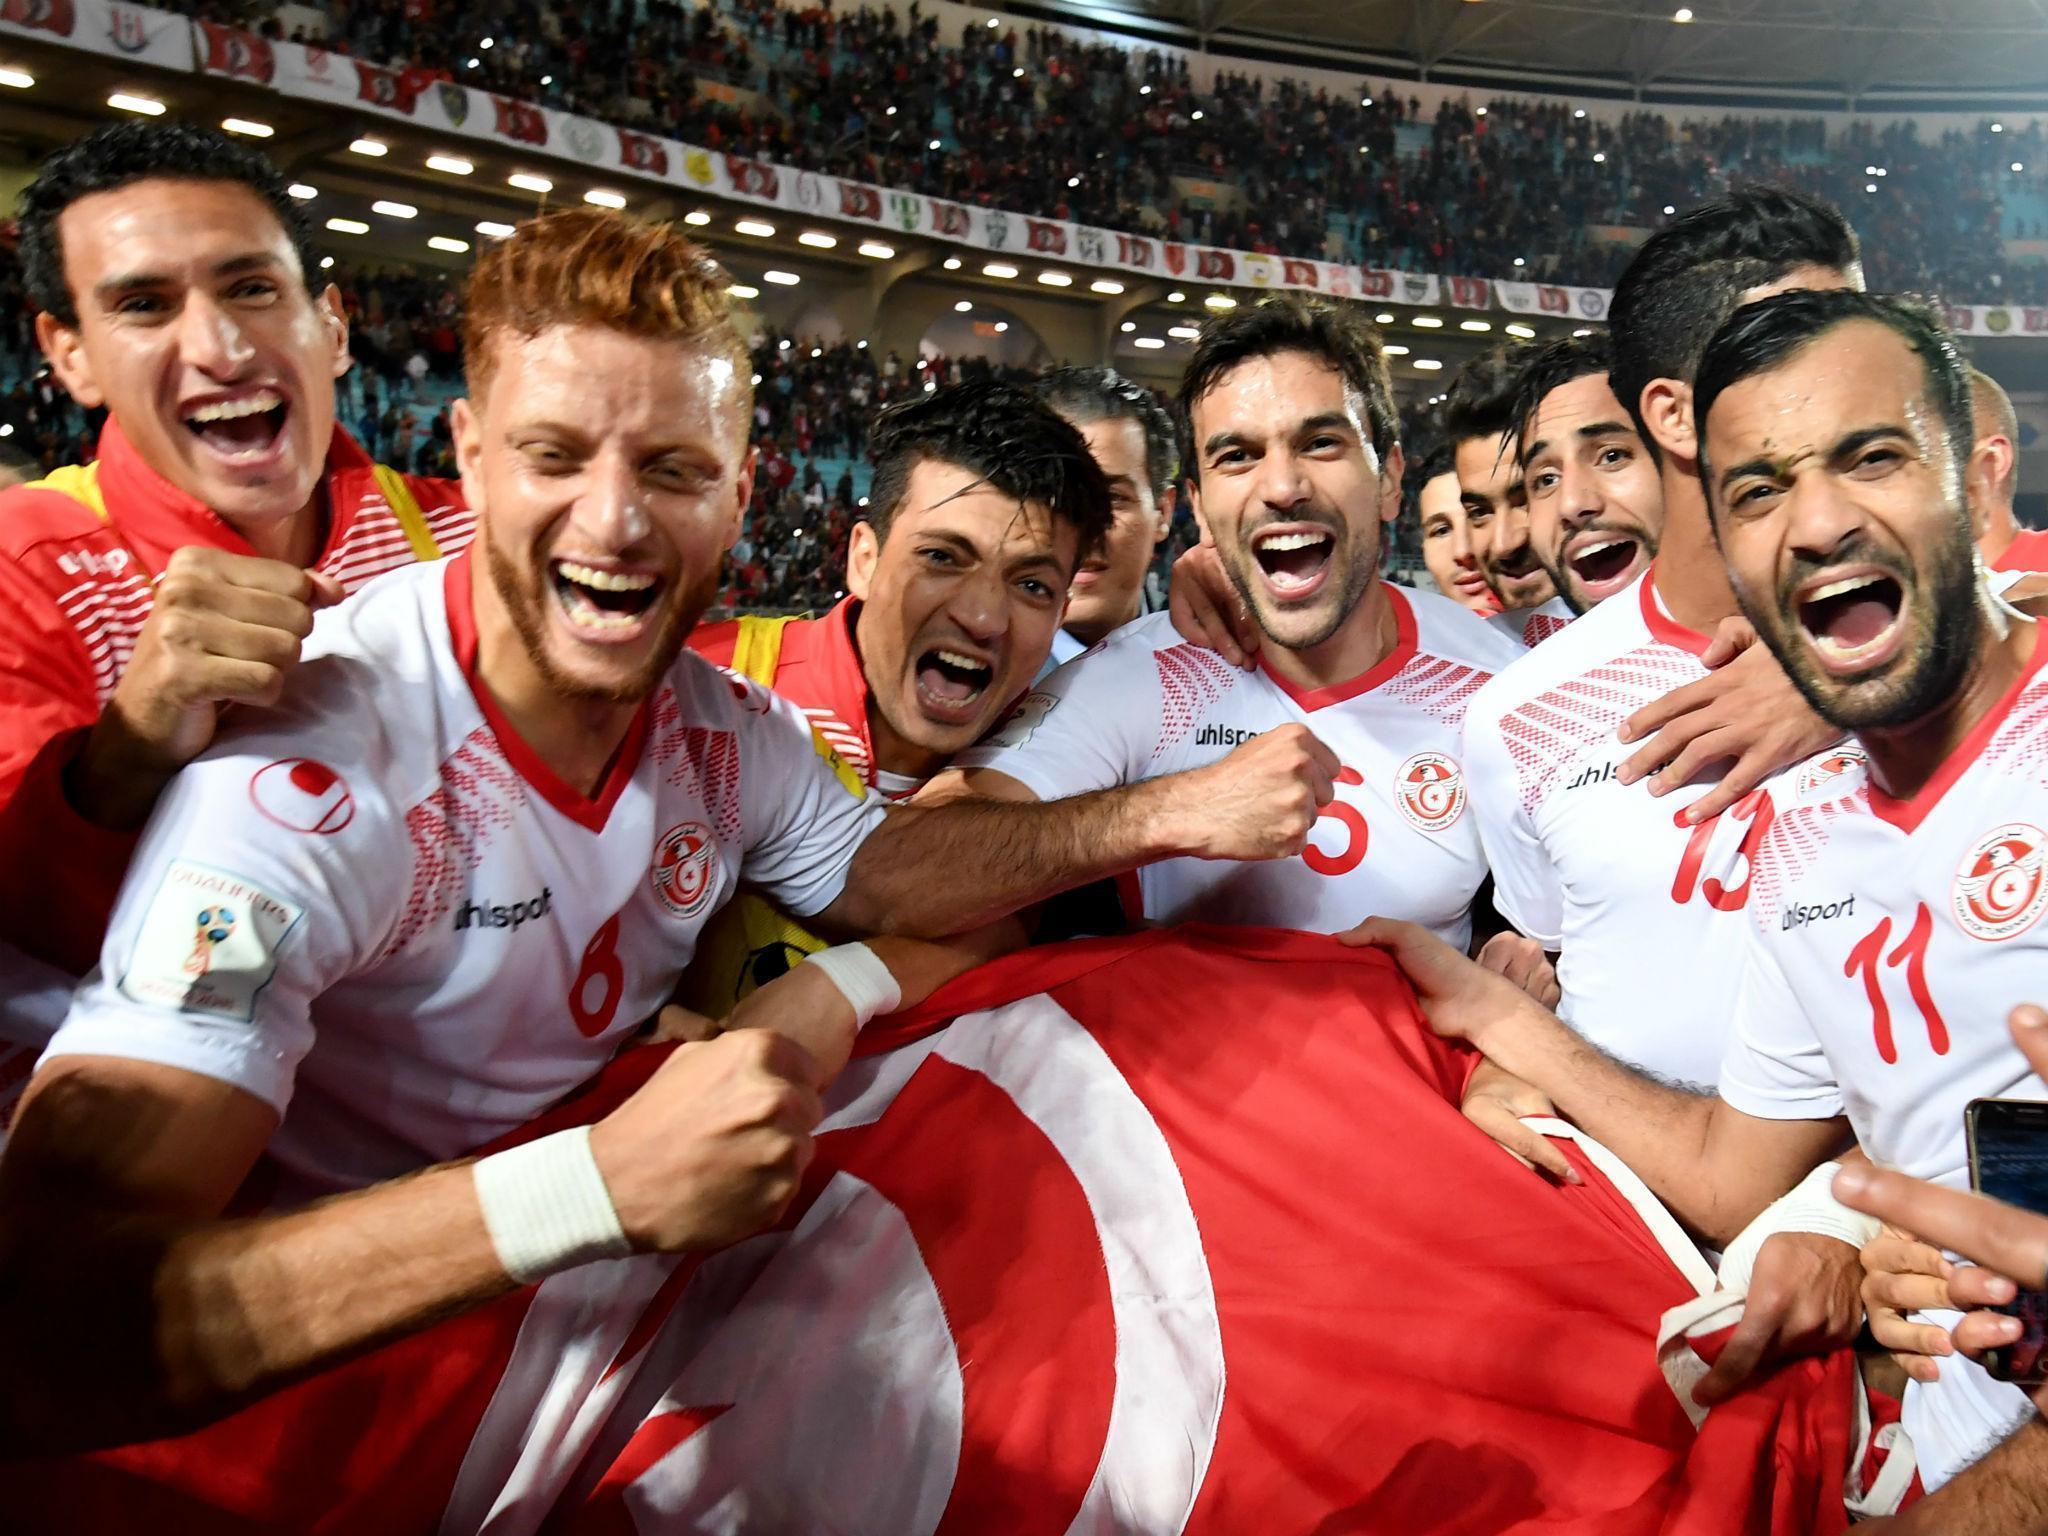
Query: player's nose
[(612, 509)]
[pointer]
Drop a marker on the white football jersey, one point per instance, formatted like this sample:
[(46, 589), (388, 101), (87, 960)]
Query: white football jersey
[(1642, 908), (376, 909), (1888, 941), (1397, 841), (1530, 627)]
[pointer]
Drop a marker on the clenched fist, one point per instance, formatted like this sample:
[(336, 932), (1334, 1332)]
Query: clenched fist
[(1257, 803), (713, 1145), (224, 629)]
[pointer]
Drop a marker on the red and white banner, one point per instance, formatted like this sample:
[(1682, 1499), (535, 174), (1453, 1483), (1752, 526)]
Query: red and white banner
[(104, 26), (1997, 319), (1175, 1233)]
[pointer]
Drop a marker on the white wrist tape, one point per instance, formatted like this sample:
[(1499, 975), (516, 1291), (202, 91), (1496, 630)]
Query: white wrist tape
[(861, 978), (1812, 1207), (547, 1208)]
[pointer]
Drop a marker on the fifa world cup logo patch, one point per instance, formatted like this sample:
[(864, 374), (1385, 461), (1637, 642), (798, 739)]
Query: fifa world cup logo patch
[(211, 931), (1999, 889)]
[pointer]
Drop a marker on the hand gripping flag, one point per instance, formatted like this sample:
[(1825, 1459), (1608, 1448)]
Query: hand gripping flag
[(1180, 1232)]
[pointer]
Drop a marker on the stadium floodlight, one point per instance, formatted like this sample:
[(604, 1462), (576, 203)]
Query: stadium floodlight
[(526, 181), (601, 197), (487, 42), (744, 291), (1682, 15), (1584, 330), (1384, 317), (781, 279), (448, 243), (951, 263), (1428, 364), (1195, 116), (1017, 73), (998, 269), (1176, 297), (994, 22), (303, 192), (889, 112), (1600, 158), (450, 165), (877, 250), (1480, 113), (1475, 325), (1220, 301), (1998, 127), (1002, 326), (1517, 329), (2018, 166), (1128, 326), (348, 226), (933, 145), (818, 240), (1669, 210), (392, 210), (760, 229), (696, 218), (1430, 322), (1144, 90), (1520, 263), (376, 149), (1057, 279), (1073, 181), (1183, 333), (962, 306), (1395, 349), (20, 79), (491, 229), (248, 127), (1870, 186), (1578, 111), (1105, 285), (128, 101)]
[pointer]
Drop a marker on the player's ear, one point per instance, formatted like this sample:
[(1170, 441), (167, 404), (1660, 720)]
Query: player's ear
[(65, 349), (334, 321), (468, 436), (1983, 472), (1390, 484), (863, 550), (743, 495), (1162, 521), (1667, 412), (1194, 484)]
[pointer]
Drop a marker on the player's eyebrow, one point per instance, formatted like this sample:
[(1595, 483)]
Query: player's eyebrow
[(1221, 440), (1604, 429), (1846, 446), (1323, 421), (112, 289)]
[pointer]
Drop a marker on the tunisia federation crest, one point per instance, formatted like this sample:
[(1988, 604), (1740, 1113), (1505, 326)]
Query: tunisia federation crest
[(1999, 892)]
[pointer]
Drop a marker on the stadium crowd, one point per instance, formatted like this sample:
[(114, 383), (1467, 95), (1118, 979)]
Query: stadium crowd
[(1736, 632), (1034, 121)]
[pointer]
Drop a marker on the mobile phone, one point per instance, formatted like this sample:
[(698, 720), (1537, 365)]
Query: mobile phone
[(2008, 1141)]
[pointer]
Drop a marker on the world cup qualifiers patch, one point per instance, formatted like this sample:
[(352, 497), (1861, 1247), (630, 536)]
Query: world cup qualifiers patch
[(1026, 718), (208, 943)]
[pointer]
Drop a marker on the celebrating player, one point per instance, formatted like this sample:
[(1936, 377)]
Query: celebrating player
[(1897, 909), (1289, 421), (180, 571), (1446, 538), (2001, 542), (468, 852), (1132, 438)]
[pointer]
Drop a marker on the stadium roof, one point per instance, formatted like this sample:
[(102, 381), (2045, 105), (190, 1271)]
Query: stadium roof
[(1872, 54)]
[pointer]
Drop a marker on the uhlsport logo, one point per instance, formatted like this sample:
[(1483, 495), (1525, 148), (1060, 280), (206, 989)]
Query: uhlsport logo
[(1999, 892), (682, 867), (1430, 790)]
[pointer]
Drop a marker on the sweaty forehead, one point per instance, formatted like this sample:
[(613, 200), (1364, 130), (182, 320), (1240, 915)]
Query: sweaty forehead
[(165, 228), (1859, 374), (1273, 394), (949, 500), (1486, 466), (595, 376), (1581, 402)]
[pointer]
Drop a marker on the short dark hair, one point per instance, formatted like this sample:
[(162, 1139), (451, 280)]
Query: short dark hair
[(1481, 402), (121, 154), (1440, 460), (1691, 274), (1085, 395), (1761, 336), (1552, 366), (1005, 434), (1336, 334)]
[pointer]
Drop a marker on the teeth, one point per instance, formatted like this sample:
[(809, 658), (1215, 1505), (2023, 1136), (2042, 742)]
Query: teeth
[(234, 410), (1294, 541), (965, 663), (1593, 549), (585, 614), (1846, 584), (605, 581)]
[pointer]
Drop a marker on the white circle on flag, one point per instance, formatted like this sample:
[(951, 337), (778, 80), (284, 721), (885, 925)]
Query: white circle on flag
[(303, 794)]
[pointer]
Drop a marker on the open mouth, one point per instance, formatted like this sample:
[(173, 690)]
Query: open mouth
[(950, 683), (1604, 563), (609, 605), (1294, 560), (244, 430), (1854, 621)]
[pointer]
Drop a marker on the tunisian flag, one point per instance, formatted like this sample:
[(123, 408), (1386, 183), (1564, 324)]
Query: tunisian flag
[(1180, 1232)]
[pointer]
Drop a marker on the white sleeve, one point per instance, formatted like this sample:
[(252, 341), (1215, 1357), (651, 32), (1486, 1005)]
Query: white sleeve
[(1091, 725), (804, 811), (1525, 883), (230, 924), (1774, 1067)]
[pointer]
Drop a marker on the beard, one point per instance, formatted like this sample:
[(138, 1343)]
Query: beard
[(1931, 664), (1565, 577), (523, 590), (1354, 566)]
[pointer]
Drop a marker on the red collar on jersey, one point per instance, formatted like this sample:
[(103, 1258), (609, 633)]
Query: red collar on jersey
[(154, 518), (1387, 666), (1662, 626), (2027, 552), (586, 811), (1907, 814)]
